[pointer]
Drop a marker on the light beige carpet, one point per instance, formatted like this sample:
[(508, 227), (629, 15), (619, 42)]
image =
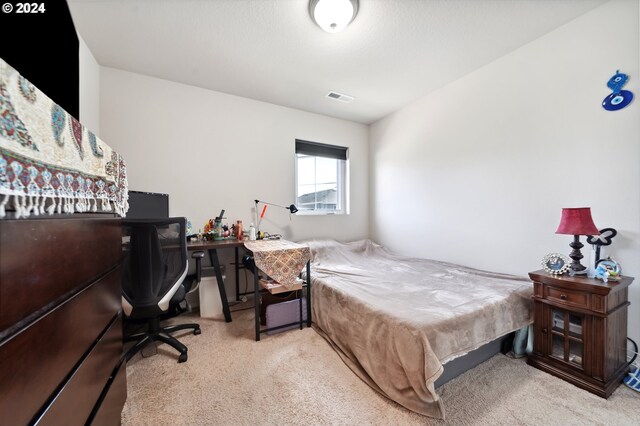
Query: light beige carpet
[(296, 378)]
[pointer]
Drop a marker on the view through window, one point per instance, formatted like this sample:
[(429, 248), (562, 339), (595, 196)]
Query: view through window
[(321, 175)]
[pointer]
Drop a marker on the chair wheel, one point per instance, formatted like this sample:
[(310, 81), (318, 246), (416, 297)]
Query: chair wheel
[(196, 331), (182, 358)]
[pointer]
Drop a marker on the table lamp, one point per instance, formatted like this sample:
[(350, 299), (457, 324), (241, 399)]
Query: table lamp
[(576, 222), (292, 209)]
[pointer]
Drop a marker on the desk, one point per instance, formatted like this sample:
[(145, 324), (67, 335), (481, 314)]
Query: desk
[(212, 247)]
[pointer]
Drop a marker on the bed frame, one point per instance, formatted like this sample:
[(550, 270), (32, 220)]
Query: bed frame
[(456, 367)]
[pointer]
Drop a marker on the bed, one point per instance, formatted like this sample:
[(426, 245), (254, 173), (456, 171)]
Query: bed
[(396, 320)]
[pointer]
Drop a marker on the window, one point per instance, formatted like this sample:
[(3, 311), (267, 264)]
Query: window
[(321, 178)]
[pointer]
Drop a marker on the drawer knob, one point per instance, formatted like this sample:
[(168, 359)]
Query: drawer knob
[(544, 330), (563, 296)]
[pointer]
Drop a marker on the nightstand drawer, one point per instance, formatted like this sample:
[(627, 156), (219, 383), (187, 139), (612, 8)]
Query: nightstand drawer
[(573, 298)]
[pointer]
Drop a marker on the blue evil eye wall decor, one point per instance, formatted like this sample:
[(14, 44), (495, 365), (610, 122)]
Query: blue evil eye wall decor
[(619, 98)]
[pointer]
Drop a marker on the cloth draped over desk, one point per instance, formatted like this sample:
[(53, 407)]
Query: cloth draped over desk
[(281, 260), (49, 162)]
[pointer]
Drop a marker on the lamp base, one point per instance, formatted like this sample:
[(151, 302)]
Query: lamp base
[(576, 267), (579, 272)]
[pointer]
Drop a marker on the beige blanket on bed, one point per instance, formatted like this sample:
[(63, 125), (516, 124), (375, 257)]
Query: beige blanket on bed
[(395, 320)]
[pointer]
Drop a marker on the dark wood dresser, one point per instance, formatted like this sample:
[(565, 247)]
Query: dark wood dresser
[(580, 330), (61, 321)]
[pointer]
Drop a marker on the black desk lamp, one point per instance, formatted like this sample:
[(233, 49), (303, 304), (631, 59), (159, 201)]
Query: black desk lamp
[(292, 209)]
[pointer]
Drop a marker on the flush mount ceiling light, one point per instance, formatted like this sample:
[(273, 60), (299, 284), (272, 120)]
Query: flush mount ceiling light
[(333, 16)]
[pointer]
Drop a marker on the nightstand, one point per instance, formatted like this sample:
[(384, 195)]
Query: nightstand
[(580, 330)]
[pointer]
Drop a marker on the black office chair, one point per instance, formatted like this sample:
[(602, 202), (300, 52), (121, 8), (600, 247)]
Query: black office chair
[(154, 279)]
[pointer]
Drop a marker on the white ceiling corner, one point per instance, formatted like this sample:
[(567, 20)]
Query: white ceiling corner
[(394, 52)]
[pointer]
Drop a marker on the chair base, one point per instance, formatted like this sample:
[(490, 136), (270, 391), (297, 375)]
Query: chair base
[(160, 334)]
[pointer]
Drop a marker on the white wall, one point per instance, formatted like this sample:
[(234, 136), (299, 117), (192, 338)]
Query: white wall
[(477, 172), (89, 89), (211, 151)]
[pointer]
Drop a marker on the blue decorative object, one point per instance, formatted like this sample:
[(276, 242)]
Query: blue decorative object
[(633, 379), (616, 82), (608, 269), (619, 98)]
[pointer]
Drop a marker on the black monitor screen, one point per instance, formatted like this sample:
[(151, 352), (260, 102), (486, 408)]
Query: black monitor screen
[(148, 205)]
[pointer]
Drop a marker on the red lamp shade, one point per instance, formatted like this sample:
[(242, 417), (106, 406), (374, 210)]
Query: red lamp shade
[(577, 221)]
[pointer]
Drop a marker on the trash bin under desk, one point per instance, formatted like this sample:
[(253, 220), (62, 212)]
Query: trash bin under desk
[(210, 303)]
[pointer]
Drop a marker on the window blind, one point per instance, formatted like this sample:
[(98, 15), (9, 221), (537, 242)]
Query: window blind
[(321, 150)]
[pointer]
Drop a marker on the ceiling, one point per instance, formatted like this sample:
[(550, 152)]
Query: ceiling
[(394, 52)]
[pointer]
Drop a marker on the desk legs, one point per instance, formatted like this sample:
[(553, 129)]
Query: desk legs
[(213, 256), (256, 302), (237, 275)]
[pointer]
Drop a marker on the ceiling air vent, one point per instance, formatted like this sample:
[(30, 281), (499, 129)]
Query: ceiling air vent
[(340, 97)]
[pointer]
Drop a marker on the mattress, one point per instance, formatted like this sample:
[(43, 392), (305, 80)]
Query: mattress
[(396, 320)]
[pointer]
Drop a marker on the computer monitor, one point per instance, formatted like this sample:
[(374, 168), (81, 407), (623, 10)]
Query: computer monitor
[(148, 205)]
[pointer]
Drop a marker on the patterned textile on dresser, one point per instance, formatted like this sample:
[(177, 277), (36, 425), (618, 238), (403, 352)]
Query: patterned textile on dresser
[(49, 162)]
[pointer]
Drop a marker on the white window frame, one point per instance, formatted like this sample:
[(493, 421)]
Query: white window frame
[(342, 192)]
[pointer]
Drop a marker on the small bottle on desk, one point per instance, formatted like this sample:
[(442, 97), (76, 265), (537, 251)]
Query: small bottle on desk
[(252, 233), (239, 231), (218, 232)]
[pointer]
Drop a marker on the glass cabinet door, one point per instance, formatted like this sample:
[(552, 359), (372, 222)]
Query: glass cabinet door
[(567, 342), (557, 333)]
